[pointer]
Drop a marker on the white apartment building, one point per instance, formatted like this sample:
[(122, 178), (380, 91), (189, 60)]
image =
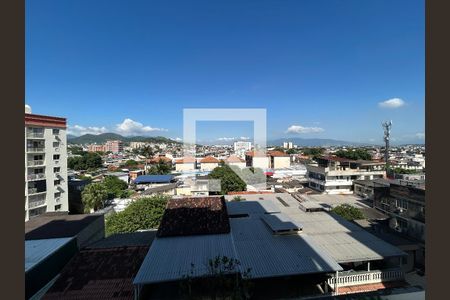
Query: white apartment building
[(334, 175), (45, 164), (288, 145), (240, 147)]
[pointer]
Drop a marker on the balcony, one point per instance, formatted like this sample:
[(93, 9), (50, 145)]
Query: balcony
[(365, 277), (34, 191), (35, 163), (36, 204), (35, 149), (35, 176), (35, 135)]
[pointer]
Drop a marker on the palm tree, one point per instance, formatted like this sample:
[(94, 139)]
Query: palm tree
[(93, 197)]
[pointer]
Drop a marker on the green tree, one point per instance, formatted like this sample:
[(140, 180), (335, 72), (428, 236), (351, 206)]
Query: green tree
[(314, 152), (229, 180), (348, 212), (93, 197), (144, 213), (354, 154), (114, 186), (87, 161), (160, 168)]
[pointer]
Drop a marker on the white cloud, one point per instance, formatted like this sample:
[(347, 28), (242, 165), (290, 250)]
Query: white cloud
[(178, 139), (130, 127), (420, 135), (301, 129), (392, 103), (226, 138), (244, 138), (80, 130)]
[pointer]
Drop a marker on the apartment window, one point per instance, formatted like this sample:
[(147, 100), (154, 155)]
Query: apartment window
[(56, 169), (55, 156), (55, 131), (38, 157), (57, 207), (57, 182), (55, 144)]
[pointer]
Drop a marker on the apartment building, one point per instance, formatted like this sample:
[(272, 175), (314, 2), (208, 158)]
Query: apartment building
[(268, 160), (45, 164), (114, 146), (240, 147), (96, 148), (335, 175)]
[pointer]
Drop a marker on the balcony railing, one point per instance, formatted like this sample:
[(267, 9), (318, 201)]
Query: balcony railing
[(33, 163), (32, 191), (36, 203), (35, 149), (35, 135), (369, 277), (36, 176)]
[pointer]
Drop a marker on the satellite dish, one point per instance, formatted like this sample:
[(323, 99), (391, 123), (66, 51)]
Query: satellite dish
[(27, 109)]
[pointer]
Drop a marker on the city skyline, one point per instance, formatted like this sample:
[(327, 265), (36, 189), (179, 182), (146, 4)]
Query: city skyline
[(334, 71)]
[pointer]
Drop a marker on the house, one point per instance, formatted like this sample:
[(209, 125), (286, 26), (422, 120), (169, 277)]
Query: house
[(234, 160), (209, 163), (185, 164), (257, 159), (335, 175), (279, 160)]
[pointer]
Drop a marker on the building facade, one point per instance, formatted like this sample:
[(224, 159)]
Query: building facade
[(114, 146), (45, 165), (240, 147), (334, 175)]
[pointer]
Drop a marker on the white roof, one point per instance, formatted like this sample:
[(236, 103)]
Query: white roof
[(37, 250)]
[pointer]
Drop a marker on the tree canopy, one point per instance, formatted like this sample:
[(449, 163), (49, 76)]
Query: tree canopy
[(144, 213), (313, 151), (229, 180), (87, 161), (94, 196), (115, 187), (354, 154), (160, 168), (348, 212)]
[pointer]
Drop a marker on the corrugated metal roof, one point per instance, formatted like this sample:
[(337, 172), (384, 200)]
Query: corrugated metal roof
[(281, 222), (37, 250), (271, 255), (252, 207), (170, 258), (153, 179)]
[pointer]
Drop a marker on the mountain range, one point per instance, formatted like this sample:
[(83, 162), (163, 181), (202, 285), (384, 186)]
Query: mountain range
[(103, 137)]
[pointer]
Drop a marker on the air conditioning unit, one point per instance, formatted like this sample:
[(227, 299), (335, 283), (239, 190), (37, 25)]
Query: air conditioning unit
[(398, 229)]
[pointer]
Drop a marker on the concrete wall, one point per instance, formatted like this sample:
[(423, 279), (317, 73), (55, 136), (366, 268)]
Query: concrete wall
[(281, 162), (185, 167)]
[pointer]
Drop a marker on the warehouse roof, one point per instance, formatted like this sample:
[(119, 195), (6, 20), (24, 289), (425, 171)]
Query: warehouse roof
[(37, 251), (153, 179)]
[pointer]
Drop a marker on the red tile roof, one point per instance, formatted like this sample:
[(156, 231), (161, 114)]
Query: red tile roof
[(157, 159), (276, 153), (185, 160), (193, 216), (99, 274), (209, 159), (234, 159)]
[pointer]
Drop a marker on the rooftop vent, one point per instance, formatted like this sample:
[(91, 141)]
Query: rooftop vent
[(281, 223)]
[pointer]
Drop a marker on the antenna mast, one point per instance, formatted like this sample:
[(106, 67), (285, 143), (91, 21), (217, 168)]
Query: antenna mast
[(387, 134)]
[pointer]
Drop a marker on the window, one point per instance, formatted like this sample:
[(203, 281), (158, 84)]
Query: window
[(55, 156), (56, 169), (57, 182), (57, 207), (55, 144), (55, 131)]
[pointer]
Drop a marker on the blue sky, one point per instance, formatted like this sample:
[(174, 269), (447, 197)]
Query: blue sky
[(320, 68)]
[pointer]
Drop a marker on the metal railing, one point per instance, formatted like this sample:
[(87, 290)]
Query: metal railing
[(38, 135), (32, 191), (365, 277), (36, 203), (32, 163), (35, 149), (36, 176)]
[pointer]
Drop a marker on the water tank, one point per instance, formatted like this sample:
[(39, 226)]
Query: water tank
[(27, 109)]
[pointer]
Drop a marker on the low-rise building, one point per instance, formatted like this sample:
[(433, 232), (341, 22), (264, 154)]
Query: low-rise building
[(234, 160), (185, 164), (279, 160), (209, 163), (335, 175)]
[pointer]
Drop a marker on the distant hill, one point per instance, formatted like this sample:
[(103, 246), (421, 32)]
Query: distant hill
[(302, 142), (103, 137)]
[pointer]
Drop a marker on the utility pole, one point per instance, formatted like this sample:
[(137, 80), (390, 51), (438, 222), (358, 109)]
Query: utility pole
[(387, 133)]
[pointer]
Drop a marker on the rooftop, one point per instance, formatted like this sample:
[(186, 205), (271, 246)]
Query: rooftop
[(57, 225), (234, 159), (185, 160), (38, 250), (142, 179), (209, 159), (99, 274), (194, 216)]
